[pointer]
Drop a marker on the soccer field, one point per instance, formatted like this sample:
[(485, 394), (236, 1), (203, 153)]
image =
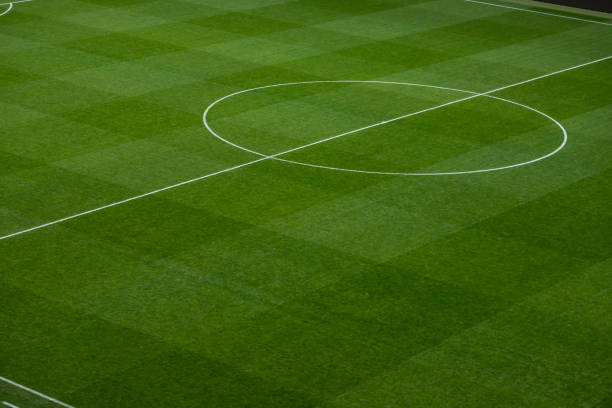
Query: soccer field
[(309, 203)]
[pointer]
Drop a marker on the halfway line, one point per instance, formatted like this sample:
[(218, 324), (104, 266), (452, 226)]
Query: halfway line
[(127, 200), (540, 12), (274, 156), (467, 98)]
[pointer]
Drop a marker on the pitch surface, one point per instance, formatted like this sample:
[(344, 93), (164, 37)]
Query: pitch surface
[(282, 285)]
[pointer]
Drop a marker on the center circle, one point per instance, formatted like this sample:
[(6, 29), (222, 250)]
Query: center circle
[(470, 95)]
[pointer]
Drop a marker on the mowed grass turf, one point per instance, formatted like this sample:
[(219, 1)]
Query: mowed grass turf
[(283, 285)]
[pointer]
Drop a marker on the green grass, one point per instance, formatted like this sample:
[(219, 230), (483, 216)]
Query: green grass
[(279, 285)]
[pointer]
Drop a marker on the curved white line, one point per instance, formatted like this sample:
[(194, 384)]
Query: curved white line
[(57, 221), (450, 173), (10, 7), (15, 2)]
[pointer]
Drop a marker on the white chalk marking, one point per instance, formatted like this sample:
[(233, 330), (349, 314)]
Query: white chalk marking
[(8, 404), (15, 2), (10, 7), (31, 391), (449, 173), (540, 12), (548, 75), (474, 95), (127, 200), (258, 160)]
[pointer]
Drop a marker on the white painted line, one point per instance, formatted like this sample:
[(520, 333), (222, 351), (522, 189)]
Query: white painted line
[(540, 12), (10, 7), (548, 75), (332, 137), (475, 95), (40, 394), (15, 2), (448, 173), (209, 108), (8, 404), (134, 198), (263, 158)]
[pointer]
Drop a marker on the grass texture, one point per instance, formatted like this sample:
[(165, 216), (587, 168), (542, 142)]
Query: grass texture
[(282, 285)]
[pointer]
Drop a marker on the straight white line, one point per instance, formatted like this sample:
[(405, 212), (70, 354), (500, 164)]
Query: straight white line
[(551, 74), (8, 404), (377, 124), (40, 394), (540, 12), (10, 7), (291, 150), (127, 200), (453, 173), (14, 2), (476, 95)]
